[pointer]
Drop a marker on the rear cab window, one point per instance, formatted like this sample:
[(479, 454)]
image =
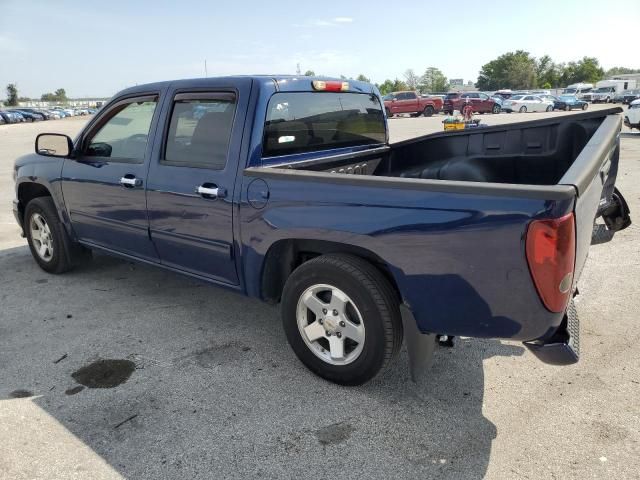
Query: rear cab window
[(299, 122)]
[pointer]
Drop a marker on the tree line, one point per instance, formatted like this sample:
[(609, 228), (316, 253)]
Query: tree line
[(517, 70), (60, 95), (520, 70)]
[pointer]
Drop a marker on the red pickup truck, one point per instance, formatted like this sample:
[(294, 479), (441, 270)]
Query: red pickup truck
[(411, 102)]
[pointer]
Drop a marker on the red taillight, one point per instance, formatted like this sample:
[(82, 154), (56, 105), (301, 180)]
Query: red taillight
[(551, 252), (330, 85)]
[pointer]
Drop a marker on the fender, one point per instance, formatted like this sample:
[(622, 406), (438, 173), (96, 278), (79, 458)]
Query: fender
[(45, 172)]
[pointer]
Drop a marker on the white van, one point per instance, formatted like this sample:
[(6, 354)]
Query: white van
[(607, 89), (578, 89)]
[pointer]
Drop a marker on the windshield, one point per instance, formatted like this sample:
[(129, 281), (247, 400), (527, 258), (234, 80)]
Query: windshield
[(517, 97), (310, 121)]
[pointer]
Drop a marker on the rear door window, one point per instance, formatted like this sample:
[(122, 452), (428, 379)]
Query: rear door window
[(200, 130), (310, 121)]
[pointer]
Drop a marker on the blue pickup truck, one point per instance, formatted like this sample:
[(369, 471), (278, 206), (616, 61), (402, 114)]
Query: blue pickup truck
[(287, 189)]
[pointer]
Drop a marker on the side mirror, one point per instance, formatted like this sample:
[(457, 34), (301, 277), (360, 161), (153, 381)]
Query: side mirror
[(54, 145)]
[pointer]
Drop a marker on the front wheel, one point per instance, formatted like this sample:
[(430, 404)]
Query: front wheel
[(585, 106), (523, 109), (550, 108), (389, 114), (428, 111), (49, 243), (495, 109), (342, 318)]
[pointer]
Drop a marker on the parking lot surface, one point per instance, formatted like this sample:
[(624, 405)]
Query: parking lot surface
[(205, 385)]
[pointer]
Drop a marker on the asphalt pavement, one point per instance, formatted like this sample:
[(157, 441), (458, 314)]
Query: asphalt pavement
[(198, 382)]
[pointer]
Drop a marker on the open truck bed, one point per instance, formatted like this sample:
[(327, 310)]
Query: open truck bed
[(456, 208)]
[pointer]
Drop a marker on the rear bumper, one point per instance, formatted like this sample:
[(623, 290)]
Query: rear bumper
[(563, 348)]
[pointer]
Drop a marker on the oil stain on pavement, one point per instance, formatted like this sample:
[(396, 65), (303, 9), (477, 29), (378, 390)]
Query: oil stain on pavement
[(334, 434), (104, 373)]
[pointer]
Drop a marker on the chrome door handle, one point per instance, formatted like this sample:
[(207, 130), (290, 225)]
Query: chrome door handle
[(130, 181), (211, 191)]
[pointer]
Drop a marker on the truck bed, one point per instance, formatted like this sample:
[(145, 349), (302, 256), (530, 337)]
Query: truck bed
[(537, 152)]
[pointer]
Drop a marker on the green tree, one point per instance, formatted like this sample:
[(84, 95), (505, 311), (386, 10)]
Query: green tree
[(548, 72), (433, 80), (386, 87), (516, 70), (586, 70), (362, 78), (308, 73), (389, 86), (12, 95), (620, 71), (412, 80), (61, 95)]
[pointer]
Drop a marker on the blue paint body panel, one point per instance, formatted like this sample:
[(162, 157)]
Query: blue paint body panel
[(457, 256)]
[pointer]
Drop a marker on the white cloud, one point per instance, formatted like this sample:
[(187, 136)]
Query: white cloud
[(323, 23), (335, 22), (8, 44)]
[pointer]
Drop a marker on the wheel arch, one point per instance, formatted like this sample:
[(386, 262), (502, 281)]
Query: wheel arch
[(284, 256), (27, 191)]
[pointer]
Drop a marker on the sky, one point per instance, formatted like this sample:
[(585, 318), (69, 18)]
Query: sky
[(95, 48)]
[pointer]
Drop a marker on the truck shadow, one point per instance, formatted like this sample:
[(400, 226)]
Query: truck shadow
[(212, 389)]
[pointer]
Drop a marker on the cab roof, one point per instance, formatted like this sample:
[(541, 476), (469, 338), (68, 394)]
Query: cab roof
[(280, 82)]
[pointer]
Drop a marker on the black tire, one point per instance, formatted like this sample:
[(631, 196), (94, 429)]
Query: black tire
[(372, 296), (523, 109), (428, 111), (495, 109), (585, 106), (448, 112), (550, 108), (389, 114), (66, 254), (567, 107)]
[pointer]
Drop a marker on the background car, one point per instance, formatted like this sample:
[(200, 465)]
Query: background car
[(28, 116), (569, 102), (38, 113), (630, 96), (527, 103), (619, 97), (632, 115), (10, 117), (480, 102)]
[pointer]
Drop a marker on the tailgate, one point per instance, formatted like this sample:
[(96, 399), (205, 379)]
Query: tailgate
[(593, 174)]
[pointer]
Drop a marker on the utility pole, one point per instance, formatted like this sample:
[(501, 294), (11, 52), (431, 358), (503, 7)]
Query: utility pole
[(298, 69), (205, 68)]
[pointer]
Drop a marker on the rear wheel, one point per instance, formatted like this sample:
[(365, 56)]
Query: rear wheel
[(341, 318), (550, 108), (49, 243), (389, 114), (567, 107), (523, 109), (496, 108), (585, 106), (428, 111)]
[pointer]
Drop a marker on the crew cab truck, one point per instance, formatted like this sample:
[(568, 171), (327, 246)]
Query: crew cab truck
[(287, 189), (411, 102)]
